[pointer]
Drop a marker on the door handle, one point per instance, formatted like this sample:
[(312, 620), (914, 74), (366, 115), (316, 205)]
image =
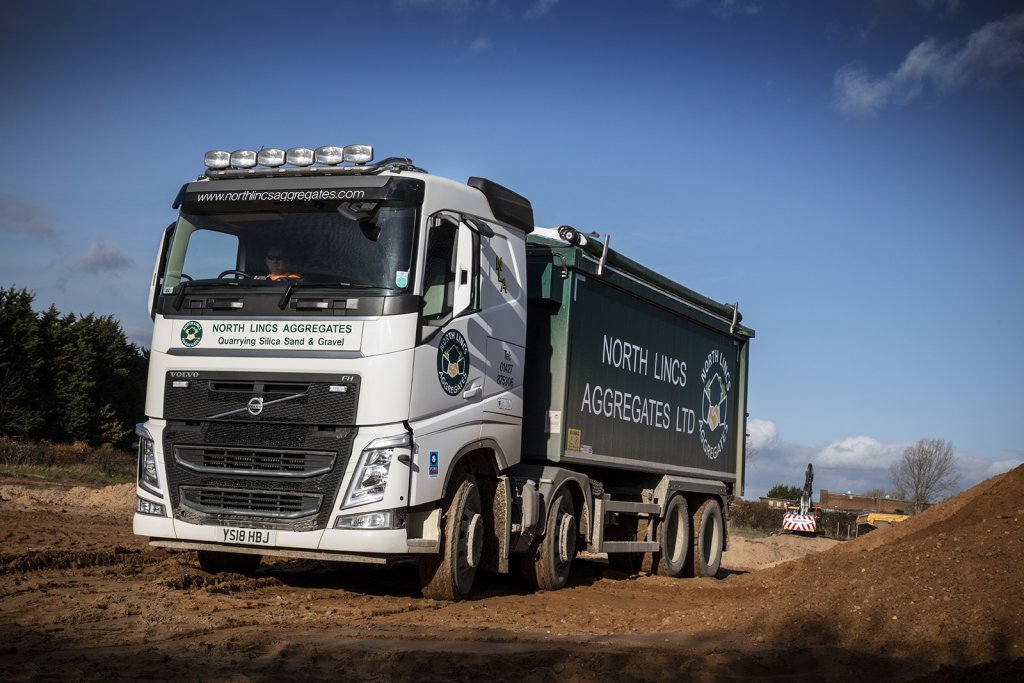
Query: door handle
[(472, 393)]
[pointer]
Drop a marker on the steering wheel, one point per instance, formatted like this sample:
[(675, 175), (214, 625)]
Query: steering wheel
[(240, 274)]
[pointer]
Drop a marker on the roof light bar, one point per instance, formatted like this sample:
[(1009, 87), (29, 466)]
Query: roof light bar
[(273, 157)]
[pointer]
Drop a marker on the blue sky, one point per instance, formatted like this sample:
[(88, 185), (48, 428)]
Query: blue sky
[(851, 173)]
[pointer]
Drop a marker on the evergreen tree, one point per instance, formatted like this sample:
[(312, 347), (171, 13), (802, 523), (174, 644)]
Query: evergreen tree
[(20, 362), (67, 378)]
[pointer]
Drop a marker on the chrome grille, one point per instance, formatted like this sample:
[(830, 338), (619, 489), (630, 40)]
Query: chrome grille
[(270, 461), (276, 504)]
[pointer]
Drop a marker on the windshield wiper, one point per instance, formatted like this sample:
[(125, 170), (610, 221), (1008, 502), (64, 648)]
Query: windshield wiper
[(208, 282), (283, 303)]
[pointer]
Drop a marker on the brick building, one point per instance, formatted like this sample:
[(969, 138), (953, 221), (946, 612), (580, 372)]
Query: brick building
[(832, 500)]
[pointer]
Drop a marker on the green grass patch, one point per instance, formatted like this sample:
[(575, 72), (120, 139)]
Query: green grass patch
[(75, 462)]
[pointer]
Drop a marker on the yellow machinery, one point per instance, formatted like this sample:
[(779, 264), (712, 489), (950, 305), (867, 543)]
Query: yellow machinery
[(879, 519)]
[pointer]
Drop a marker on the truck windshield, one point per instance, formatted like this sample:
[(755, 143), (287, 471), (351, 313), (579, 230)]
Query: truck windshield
[(368, 248)]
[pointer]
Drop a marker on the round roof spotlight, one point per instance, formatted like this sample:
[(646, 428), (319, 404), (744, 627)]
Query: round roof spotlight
[(270, 156), (243, 158), (569, 234), (299, 156), (358, 154), (329, 155), (217, 159)]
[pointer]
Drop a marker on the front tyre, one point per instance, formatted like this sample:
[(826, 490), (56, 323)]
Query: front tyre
[(448, 575), (550, 558), (709, 539)]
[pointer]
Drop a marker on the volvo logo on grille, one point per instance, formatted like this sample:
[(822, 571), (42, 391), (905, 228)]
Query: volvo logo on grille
[(255, 406)]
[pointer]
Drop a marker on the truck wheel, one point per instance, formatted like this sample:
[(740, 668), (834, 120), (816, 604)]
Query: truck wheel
[(674, 537), (228, 563), (705, 557), (550, 558), (449, 574)]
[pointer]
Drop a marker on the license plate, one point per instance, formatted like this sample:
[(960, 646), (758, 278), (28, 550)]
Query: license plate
[(248, 536)]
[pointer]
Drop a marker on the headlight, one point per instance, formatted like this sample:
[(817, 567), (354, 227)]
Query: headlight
[(149, 478), (371, 475)]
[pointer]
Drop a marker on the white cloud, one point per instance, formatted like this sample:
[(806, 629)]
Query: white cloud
[(855, 463), (1000, 466), (859, 452), (763, 434), (540, 8), (992, 50), (103, 256), (22, 217)]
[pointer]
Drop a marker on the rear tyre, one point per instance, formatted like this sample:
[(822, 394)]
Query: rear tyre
[(673, 535), (549, 559), (705, 557), (213, 562), (448, 575)]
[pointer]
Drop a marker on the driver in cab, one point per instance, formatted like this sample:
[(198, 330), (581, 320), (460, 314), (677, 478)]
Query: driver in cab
[(278, 267)]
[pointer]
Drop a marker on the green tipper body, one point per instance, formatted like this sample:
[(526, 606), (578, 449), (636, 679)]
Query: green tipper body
[(629, 370)]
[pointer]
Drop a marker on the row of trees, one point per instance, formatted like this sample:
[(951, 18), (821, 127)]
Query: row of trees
[(66, 377), (925, 474)]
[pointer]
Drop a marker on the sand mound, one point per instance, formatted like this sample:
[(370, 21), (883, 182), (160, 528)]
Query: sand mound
[(950, 576), (118, 499)]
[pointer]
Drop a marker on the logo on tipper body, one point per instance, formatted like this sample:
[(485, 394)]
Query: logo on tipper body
[(452, 362), (714, 411)]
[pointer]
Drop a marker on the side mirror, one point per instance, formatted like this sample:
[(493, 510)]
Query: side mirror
[(465, 262)]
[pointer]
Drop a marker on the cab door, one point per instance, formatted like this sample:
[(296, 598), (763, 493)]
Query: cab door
[(450, 360)]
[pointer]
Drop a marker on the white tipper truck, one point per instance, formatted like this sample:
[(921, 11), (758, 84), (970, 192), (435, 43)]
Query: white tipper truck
[(359, 361)]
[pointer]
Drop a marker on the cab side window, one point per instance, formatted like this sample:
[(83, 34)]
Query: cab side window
[(439, 273)]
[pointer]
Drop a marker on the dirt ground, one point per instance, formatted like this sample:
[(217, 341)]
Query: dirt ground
[(940, 597)]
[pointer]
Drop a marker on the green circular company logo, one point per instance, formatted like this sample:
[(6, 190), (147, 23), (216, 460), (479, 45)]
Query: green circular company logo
[(191, 333), (714, 410), (452, 362)]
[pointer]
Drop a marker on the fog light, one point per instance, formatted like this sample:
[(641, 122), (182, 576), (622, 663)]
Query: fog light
[(382, 519), (145, 507)]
